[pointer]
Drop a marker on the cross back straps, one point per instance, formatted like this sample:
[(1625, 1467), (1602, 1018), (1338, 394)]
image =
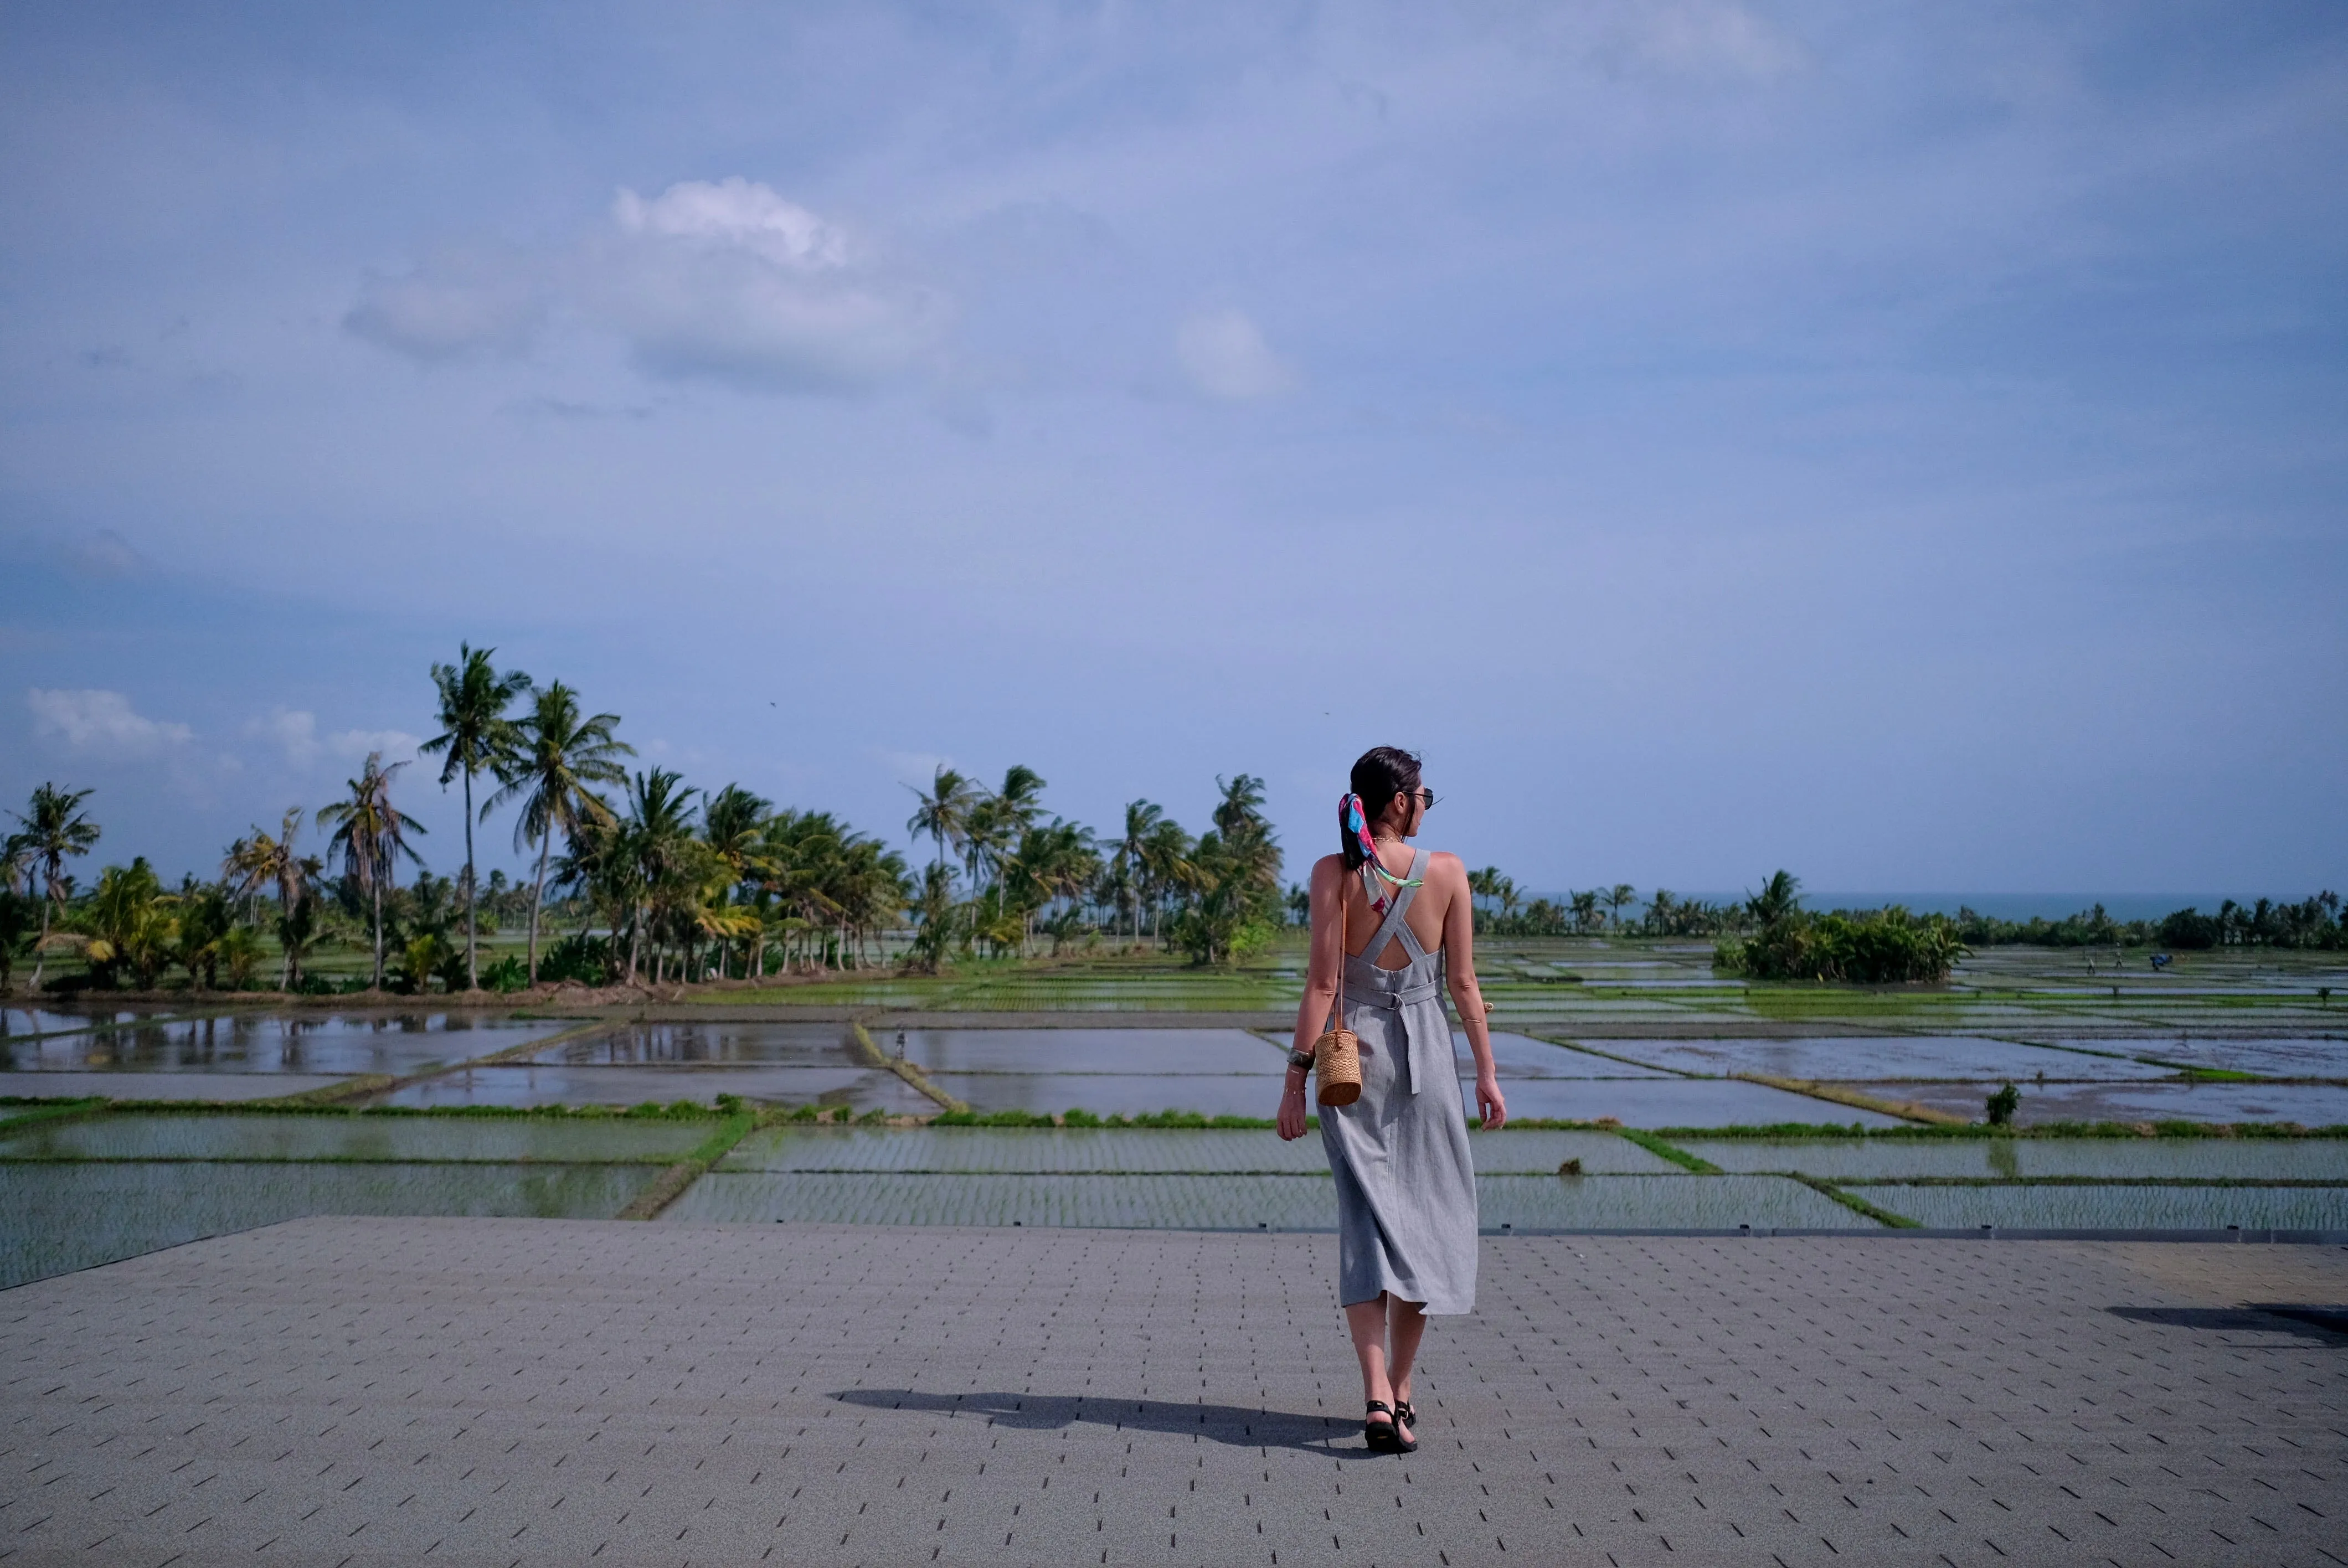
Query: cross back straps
[(1395, 925)]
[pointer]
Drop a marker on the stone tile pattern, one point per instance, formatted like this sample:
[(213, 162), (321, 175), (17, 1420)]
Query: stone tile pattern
[(346, 1392)]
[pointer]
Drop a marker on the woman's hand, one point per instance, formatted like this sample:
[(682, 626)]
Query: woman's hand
[(1489, 1103), (1291, 1109)]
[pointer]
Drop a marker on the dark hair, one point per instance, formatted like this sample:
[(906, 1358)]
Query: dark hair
[(1382, 774)]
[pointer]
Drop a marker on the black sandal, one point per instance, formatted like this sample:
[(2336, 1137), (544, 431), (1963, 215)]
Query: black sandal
[(1382, 1437), (1403, 1416)]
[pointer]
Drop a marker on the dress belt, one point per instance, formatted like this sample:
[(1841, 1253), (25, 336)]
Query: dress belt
[(1395, 1001), (1413, 1046)]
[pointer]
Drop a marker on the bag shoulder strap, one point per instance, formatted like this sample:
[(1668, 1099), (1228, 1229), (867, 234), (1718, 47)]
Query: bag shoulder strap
[(1337, 1019)]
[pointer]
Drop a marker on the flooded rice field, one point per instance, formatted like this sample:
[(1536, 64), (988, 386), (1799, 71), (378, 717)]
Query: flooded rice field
[(2014, 1159), (1677, 1103), (313, 1043), (336, 1136), (58, 1217), (987, 1150), (2118, 1208), (534, 1083), (708, 1044), (1855, 1060), (1522, 1056), (1281, 1202), (1030, 1052), (2309, 1104), (194, 1087), (2301, 1057)]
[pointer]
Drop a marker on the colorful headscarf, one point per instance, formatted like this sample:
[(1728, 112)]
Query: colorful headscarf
[(1357, 823)]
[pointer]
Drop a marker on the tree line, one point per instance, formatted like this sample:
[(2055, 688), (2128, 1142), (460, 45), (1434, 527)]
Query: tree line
[(659, 880)]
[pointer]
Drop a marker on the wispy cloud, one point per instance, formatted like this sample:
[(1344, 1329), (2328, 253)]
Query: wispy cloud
[(1224, 354), (101, 724)]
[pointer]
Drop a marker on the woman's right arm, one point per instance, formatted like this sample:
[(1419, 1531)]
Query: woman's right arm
[(1327, 954)]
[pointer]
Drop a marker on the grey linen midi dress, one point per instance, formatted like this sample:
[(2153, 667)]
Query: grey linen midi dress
[(1406, 1182)]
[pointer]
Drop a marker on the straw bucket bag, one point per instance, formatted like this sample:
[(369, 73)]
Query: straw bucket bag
[(1337, 1054)]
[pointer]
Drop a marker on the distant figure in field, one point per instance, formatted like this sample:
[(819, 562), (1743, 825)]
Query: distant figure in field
[(1386, 917)]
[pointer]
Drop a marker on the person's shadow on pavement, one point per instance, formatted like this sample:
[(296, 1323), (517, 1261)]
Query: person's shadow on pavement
[(1233, 1424)]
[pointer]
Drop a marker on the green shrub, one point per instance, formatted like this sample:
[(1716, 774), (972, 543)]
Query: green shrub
[(506, 976), (1080, 1119), (2002, 1105), (803, 1113), (1887, 947)]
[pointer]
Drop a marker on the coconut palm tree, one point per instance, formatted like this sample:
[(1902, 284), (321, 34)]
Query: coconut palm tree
[(658, 835), (1779, 896), (560, 756), (253, 864), (477, 737), (371, 835), (944, 814), (1165, 866), (55, 830), (1129, 854), (1616, 899)]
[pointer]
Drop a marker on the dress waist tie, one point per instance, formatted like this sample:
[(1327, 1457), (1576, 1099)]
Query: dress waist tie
[(1415, 1049)]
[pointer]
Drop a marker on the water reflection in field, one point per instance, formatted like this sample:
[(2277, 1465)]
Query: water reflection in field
[(536, 1083), (702, 1044), (397, 1044), (2118, 1208), (2309, 1104), (2010, 1159), (1888, 1057), (1156, 1053)]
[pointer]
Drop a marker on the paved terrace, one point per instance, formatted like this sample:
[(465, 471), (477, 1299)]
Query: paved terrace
[(352, 1391)]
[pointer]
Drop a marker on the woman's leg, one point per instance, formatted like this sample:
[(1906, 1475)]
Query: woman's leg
[(1406, 1325), (1367, 1322)]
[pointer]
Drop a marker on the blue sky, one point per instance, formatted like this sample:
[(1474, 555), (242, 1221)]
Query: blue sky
[(1903, 443)]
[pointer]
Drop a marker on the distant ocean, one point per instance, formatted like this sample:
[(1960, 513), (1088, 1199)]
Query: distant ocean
[(2004, 905)]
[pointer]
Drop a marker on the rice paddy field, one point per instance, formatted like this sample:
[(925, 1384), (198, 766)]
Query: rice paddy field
[(2216, 1095)]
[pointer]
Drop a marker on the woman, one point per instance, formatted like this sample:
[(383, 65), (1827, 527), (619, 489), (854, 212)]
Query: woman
[(1388, 916)]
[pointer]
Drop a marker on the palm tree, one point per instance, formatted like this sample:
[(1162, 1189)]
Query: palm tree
[(560, 755), (934, 912), (1616, 897), (477, 738), (1165, 866), (55, 830), (657, 834), (371, 835), (253, 864), (944, 813), (1129, 855), (1242, 808), (1779, 896)]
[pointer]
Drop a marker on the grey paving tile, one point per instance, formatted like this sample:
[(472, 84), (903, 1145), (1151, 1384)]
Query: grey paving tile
[(356, 1392)]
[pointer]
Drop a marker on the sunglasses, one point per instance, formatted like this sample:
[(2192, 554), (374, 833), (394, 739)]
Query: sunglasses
[(1425, 797)]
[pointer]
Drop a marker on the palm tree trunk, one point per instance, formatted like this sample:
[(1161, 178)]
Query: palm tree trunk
[(538, 896), (376, 887), (472, 966), (41, 953)]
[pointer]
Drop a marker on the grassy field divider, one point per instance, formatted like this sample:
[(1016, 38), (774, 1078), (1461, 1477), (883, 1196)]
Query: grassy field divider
[(66, 1111), (1677, 1156), (1856, 1203), (685, 1173), (1907, 1110), (875, 1057), (375, 1085)]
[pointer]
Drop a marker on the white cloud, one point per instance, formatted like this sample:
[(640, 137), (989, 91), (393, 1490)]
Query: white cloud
[(735, 214), (731, 281), (396, 745), (1224, 354), (456, 307), (294, 731), (102, 723)]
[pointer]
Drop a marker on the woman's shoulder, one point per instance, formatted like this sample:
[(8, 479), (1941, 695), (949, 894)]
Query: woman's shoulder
[(1446, 866)]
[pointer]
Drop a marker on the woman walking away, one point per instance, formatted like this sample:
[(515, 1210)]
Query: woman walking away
[(1385, 918)]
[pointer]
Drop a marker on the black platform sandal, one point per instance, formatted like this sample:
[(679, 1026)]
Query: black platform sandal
[(1382, 1437), (1404, 1417)]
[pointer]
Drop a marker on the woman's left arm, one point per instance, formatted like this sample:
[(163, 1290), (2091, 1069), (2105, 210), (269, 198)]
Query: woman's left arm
[(1459, 964)]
